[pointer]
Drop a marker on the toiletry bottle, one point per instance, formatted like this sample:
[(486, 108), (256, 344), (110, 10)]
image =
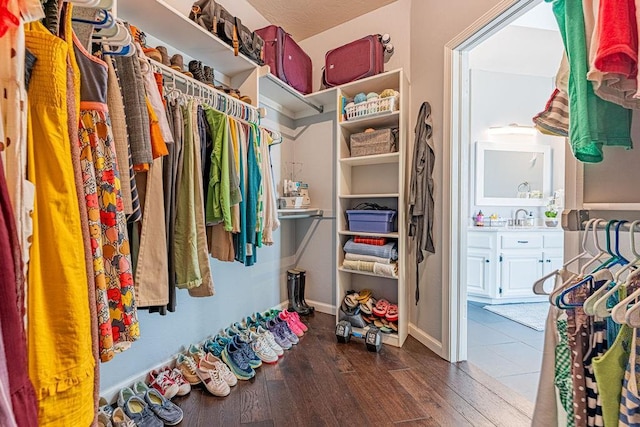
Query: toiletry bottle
[(530, 219), (479, 219)]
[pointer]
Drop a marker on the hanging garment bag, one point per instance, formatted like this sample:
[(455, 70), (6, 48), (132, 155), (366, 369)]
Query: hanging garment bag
[(353, 61), (286, 59)]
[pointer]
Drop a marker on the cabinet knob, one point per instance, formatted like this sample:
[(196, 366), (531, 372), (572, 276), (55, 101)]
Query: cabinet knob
[(523, 241), (548, 260), (487, 261), (540, 260)]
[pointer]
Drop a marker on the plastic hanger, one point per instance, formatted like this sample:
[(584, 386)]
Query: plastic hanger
[(596, 304), (588, 280), (538, 285), (591, 224), (107, 21), (86, 3)]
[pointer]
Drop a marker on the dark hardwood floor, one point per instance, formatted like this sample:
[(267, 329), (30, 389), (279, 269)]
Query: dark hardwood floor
[(320, 382)]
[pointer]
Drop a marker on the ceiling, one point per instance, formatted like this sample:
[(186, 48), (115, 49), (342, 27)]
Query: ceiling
[(310, 17)]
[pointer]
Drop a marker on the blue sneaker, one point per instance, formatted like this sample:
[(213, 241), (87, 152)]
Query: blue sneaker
[(237, 362), (278, 335), (168, 412), (213, 347), (252, 358)]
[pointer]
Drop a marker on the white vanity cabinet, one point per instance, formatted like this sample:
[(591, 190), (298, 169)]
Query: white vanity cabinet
[(502, 265)]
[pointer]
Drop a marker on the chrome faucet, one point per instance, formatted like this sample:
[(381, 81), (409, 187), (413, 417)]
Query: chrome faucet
[(520, 222)]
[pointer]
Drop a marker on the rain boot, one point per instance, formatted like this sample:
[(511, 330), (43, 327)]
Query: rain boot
[(301, 301), (293, 290)]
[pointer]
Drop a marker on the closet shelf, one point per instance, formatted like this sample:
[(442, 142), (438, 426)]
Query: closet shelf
[(391, 339), (298, 104), (379, 121), (366, 273), (376, 159), (300, 213), (173, 27), (355, 233), (370, 196)]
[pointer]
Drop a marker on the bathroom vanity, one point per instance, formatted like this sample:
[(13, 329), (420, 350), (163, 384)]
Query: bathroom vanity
[(503, 263)]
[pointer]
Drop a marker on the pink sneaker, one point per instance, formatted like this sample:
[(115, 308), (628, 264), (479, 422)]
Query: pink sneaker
[(296, 318), (285, 315)]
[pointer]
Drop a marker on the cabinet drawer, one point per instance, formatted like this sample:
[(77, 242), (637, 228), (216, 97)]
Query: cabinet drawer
[(482, 240), (530, 241), (554, 240)]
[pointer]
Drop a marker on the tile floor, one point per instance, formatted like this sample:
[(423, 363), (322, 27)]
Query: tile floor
[(506, 350)]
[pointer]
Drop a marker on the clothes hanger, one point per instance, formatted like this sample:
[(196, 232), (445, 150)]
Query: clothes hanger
[(591, 224), (107, 21), (588, 280), (538, 285), (596, 304)]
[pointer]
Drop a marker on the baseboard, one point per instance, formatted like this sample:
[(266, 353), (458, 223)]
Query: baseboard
[(111, 394), (321, 307), (425, 339)]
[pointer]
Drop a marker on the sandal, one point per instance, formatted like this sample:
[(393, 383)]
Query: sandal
[(392, 313), (378, 324), (351, 300), (381, 308), (393, 326), (365, 294), (386, 330), (366, 307)]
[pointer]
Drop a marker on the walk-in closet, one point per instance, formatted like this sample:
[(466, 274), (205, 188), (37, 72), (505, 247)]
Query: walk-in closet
[(285, 213)]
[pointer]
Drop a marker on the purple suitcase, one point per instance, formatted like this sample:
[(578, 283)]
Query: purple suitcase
[(286, 59), (354, 61)]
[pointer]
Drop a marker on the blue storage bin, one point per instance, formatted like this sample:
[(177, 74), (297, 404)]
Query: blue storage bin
[(371, 221)]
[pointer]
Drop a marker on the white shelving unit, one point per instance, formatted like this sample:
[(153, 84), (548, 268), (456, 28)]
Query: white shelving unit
[(380, 179)]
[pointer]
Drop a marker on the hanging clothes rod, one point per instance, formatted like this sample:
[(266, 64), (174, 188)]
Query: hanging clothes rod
[(233, 107), (576, 220), (237, 107)]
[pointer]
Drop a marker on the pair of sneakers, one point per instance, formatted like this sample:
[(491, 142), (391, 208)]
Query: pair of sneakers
[(293, 321), (147, 407), (268, 351), (282, 333), (215, 375), (170, 382)]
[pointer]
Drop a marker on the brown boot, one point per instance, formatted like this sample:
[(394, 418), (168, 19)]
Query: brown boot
[(165, 55), (208, 75), (195, 67), (177, 62)]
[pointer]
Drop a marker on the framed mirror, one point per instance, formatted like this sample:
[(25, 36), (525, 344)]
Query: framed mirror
[(512, 174)]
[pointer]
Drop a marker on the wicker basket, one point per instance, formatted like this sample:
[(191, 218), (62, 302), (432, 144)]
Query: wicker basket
[(380, 141), (373, 107)]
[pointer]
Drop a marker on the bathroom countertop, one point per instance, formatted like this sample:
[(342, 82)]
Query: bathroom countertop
[(537, 228)]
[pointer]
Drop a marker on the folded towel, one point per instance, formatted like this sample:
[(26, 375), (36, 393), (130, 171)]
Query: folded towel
[(368, 258), (385, 270), (375, 241), (358, 265), (388, 270), (390, 250)]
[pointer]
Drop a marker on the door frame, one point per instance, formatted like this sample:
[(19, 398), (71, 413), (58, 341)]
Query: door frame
[(456, 154)]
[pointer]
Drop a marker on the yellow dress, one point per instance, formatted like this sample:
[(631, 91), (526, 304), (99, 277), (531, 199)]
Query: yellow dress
[(61, 365)]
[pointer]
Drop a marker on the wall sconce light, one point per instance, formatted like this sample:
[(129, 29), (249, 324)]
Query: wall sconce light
[(512, 129)]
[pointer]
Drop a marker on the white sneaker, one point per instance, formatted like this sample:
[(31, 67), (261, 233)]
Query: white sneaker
[(120, 419), (212, 362), (212, 380), (268, 336), (262, 349)]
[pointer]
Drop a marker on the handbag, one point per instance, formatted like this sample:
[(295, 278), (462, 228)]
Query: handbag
[(224, 26), (203, 13), (250, 43)]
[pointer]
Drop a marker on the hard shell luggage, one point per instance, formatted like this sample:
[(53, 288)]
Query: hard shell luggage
[(286, 59), (353, 61)]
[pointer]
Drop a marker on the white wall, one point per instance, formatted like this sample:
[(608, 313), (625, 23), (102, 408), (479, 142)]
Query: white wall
[(498, 99), (433, 24), (393, 19), (520, 50), (240, 8)]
